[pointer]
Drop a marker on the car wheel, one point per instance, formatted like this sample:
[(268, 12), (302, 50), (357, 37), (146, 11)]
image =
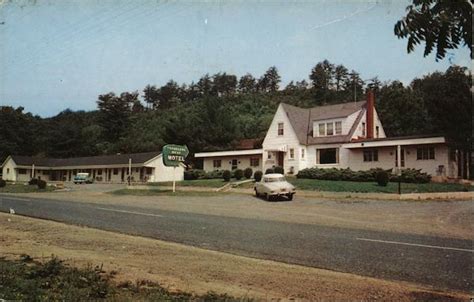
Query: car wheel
[(290, 197), (256, 193), (268, 197)]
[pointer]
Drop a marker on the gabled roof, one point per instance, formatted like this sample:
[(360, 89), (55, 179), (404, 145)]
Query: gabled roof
[(117, 159), (301, 120)]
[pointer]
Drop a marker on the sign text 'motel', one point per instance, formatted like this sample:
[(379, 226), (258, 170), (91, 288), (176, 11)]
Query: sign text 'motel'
[(173, 155)]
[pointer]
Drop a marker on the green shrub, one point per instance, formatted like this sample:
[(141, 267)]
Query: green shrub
[(382, 178), (3, 183), (194, 174), (33, 182), (213, 174), (238, 174), (258, 175), (226, 175), (408, 175), (269, 171), (412, 176), (279, 170), (41, 184), (248, 173)]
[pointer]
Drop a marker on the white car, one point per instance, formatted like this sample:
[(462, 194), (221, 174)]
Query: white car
[(274, 185)]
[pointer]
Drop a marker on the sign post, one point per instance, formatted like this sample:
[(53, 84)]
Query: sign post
[(173, 156)]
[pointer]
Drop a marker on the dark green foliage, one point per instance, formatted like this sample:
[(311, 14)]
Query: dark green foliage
[(238, 174), (269, 171), (411, 176), (257, 175), (194, 174), (248, 173), (30, 280), (33, 182), (41, 184), (3, 183), (279, 170), (408, 175), (226, 175), (382, 178), (440, 24)]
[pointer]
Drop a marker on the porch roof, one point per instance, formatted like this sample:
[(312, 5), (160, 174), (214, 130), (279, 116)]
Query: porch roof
[(229, 153), (396, 141)]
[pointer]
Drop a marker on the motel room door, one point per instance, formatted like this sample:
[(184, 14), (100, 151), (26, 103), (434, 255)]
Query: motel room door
[(280, 157)]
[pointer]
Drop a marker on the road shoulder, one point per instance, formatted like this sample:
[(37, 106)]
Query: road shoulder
[(196, 270)]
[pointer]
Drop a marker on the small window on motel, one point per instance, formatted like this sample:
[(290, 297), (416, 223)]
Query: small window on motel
[(330, 129), (338, 127), (280, 129), (322, 129), (292, 153), (254, 162), (217, 163)]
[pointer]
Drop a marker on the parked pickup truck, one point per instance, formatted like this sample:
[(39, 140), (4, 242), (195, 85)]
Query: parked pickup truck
[(274, 185), (83, 178)]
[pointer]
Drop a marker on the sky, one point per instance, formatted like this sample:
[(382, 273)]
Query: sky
[(59, 54)]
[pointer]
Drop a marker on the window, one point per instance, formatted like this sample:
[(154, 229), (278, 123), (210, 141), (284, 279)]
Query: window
[(269, 155), (115, 171), (371, 155), (149, 170), (338, 127), (327, 156), (8, 170), (21, 171), (377, 131), (254, 162), (363, 129), (216, 163), (292, 153), (137, 170), (322, 129), (329, 129), (302, 153), (280, 129), (99, 172), (234, 164), (424, 153)]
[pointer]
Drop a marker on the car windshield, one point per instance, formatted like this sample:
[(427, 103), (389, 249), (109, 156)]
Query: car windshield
[(274, 179)]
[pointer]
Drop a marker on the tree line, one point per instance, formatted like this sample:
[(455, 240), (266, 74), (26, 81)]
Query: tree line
[(217, 111)]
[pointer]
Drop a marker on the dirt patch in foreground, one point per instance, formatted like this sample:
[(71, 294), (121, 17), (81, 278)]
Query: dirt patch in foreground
[(194, 270)]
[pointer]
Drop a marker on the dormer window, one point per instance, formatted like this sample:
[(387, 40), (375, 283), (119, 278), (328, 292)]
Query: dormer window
[(338, 128), (377, 131), (280, 129), (329, 129), (322, 129)]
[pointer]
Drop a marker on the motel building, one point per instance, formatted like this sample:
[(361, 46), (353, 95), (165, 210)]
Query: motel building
[(347, 135), (144, 167)]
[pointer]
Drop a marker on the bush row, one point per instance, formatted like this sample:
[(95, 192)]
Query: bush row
[(408, 175), (222, 174)]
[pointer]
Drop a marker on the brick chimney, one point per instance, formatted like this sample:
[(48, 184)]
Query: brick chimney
[(370, 114)]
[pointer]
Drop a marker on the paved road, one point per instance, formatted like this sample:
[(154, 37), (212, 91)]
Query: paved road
[(439, 262)]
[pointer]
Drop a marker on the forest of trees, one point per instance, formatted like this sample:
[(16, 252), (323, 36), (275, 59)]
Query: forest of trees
[(217, 111)]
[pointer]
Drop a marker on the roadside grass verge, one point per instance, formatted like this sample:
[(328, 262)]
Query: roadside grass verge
[(372, 187), (21, 188), (210, 183), (160, 192), (28, 280)]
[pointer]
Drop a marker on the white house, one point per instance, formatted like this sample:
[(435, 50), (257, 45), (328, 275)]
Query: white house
[(145, 167), (347, 135)]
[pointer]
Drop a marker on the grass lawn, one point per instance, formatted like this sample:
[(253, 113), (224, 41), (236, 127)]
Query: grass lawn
[(28, 280), (160, 192), (372, 187), (210, 183), (21, 188)]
